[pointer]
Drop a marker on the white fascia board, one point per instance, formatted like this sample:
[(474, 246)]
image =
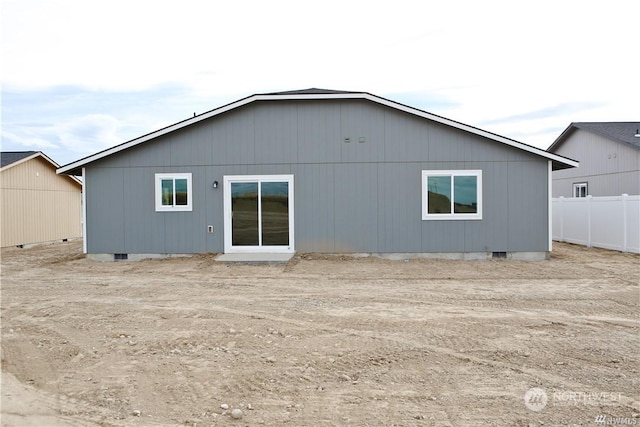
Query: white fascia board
[(293, 97), (55, 165)]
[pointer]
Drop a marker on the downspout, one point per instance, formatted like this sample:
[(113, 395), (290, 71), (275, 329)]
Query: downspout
[(84, 211), (550, 204)]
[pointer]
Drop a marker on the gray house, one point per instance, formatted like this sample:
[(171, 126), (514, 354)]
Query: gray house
[(318, 171), (609, 155)]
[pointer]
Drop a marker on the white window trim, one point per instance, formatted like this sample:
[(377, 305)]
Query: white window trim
[(426, 216), (158, 191), (583, 184)]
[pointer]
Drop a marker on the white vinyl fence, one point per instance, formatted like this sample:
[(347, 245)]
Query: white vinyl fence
[(603, 222)]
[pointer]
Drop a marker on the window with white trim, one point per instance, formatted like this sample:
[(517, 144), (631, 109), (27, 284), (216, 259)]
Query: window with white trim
[(173, 192), (451, 194), (580, 189)]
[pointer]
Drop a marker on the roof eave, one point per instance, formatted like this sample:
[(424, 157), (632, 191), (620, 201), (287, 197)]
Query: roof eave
[(566, 164)]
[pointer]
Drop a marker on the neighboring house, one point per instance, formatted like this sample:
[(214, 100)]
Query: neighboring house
[(37, 204), (318, 171), (609, 155)]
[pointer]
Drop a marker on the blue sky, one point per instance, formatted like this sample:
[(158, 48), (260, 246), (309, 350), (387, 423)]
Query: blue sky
[(81, 76)]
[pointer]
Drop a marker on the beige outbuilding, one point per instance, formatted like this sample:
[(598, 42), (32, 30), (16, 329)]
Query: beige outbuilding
[(37, 205)]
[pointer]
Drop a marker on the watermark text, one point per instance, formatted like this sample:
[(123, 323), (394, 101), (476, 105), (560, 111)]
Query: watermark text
[(536, 399), (605, 420)]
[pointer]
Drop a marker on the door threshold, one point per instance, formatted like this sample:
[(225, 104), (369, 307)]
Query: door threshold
[(256, 257)]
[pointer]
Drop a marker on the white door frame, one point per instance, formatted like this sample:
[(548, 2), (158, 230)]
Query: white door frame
[(226, 188)]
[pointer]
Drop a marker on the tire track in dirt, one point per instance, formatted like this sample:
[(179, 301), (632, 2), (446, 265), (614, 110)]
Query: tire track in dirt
[(549, 377)]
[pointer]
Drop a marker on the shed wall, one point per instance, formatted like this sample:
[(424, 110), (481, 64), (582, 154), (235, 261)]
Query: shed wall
[(349, 197), (38, 205)]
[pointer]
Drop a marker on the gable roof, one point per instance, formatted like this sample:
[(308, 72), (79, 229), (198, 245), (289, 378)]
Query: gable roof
[(624, 132), (559, 162), (9, 159)]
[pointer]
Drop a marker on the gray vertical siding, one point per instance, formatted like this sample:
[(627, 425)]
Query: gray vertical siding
[(398, 230), (349, 197), (315, 207), (521, 223), (105, 222), (611, 168), (355, 211)]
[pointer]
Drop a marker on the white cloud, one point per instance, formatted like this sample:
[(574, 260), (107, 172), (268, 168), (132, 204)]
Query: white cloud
[(79, 135), (14, 142), (88, 133)]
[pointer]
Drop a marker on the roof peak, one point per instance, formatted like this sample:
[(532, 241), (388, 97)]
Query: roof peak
[(312, 91)]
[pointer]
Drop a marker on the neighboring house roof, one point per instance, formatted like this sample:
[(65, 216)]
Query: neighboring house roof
[(624, 132), (75, 168), (9, 159)]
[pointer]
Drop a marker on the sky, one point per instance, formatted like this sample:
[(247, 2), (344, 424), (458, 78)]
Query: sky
[(79, 76)]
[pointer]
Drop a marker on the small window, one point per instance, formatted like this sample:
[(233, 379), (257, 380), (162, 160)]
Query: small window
[(580, 189), (173, 192), (451, 194)]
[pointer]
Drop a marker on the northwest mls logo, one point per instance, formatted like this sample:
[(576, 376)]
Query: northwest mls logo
[(535, 399)]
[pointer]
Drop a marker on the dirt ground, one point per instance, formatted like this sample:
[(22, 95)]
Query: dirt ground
[(322, 340)]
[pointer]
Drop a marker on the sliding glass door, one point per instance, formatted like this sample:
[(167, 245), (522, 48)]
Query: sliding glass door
[(259, 213)]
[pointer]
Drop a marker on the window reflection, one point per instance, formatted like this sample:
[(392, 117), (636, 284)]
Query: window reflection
[(167, 192), (181, 192), (465, 194), (244, 210), (439, 188), (275, 213)]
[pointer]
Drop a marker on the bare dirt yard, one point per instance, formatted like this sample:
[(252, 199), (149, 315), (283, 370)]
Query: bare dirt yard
[(322, 340)]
